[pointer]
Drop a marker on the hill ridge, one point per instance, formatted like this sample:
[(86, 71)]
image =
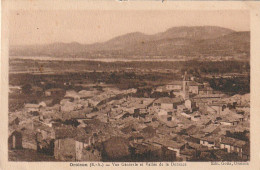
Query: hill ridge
[(184, 40)]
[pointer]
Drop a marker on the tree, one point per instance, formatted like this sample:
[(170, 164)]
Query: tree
[(26, 89)]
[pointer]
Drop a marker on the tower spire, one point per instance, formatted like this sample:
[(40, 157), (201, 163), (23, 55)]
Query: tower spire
[(185, 86)]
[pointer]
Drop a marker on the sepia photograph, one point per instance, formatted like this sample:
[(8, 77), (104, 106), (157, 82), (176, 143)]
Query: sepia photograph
[(129, 86)]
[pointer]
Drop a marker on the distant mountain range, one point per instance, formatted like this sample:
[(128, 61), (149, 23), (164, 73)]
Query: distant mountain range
[(183, 41)]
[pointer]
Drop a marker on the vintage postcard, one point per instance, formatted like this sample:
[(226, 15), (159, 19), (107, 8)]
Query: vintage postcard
[(130, 85)]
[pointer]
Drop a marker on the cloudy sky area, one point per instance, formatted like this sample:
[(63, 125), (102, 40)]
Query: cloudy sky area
[(43, 27)]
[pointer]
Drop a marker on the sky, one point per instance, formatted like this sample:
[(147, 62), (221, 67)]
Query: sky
[(90, 26)]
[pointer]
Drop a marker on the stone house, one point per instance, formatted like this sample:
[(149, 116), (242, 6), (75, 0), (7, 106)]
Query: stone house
[(167, 103), (233, 145), (15, 140), (72, 144)]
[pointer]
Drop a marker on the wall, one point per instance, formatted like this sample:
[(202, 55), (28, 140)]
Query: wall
[(91, 155), (65, 149), (224, 146), (188, 104), (176, 150), (79, 148)]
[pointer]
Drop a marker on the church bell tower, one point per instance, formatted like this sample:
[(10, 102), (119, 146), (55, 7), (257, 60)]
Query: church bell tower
[(185, 86)]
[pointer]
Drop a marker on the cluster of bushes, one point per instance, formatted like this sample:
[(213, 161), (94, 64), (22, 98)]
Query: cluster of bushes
[(231, 86)]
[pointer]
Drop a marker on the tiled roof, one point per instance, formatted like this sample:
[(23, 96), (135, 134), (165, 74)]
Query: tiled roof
[(232, 141), (198, 135), (166, 142), (210, 128), (65, 132), (196, 146), (168, 100), (212, 138), (192, 130)]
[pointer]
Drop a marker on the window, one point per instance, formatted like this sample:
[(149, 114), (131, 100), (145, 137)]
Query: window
[(211, 143)]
